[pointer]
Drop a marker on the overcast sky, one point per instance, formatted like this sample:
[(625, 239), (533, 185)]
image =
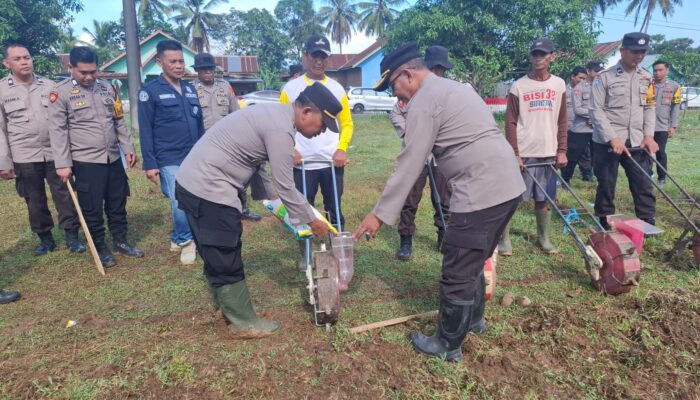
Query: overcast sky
[(613, 24)]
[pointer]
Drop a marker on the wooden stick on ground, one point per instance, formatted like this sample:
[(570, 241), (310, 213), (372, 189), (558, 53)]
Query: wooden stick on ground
[(86, 231), (389, 322)]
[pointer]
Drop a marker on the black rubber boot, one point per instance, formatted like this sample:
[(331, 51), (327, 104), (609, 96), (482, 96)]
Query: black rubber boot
[(106, 256), (604, 223), (46, 243), (8, 297), (405, 248), (454, 320), (440, 237), (72, 241)]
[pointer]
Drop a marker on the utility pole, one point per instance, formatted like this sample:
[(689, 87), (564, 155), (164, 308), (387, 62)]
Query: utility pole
[(133, 59)]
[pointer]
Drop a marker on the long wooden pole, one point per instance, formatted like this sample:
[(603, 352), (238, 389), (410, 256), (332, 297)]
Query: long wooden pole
[(389, 322), (86, 231)]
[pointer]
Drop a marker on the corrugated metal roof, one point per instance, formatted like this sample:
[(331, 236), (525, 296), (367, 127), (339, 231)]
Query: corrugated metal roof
[(601, 50)]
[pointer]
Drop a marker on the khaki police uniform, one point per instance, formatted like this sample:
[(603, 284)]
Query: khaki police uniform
[(668, 105), (217, 101), (407, 224), (87, 131), (451, 121), (26, 149), (622, 107), (580, 131), (219, 165)]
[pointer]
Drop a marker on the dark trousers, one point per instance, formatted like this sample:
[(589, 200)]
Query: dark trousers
[(470, 239), (606, 165), (102, 187), (323, 178), (661, 138), (30, 186), (407, 225), (578, 145), (217, 230)]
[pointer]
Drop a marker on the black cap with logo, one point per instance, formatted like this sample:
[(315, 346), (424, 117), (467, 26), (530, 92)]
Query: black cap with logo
[(635, 41), (326, 102), (203, 60), (437, 56), (392, 61), (318, 43), (542, 44)]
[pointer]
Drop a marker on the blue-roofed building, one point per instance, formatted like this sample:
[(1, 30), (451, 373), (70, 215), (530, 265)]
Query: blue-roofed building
[(360, 69)]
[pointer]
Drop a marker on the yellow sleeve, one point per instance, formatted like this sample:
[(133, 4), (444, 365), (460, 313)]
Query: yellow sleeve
[(284, 99), (346, 126), (677, 96), (651, 95)]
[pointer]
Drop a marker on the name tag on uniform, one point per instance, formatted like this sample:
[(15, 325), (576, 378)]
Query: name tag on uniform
[(166, 96), (192, 95)]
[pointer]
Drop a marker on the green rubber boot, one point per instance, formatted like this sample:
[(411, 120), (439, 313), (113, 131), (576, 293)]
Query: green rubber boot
[(505, 247), (236, 306), (214, 299), (543, 221)]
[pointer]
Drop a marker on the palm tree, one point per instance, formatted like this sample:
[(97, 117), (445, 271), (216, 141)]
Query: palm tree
[(377, 15), (149, 8), (102, 34), (340, 17), (68, 41), (667, 8), (195, 16)]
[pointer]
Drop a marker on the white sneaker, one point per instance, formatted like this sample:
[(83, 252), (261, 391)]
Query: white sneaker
[(189, 253), (174, 248)]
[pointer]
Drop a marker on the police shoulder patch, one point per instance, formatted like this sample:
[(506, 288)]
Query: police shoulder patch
[(53, 96), (143, 95)]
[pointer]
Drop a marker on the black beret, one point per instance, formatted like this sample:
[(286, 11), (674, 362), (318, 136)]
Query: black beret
[(392, 61)]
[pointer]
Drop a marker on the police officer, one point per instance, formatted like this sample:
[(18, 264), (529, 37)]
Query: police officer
[(25, 150), (170, 122), (578, 75), (436, 59), (581, 129), (622, 113), (217, 100), (87, 131), (220, 164), (668, 100), (450, 120)]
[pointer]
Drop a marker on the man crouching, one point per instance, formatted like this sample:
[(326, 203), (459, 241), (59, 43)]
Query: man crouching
[(220, 165)]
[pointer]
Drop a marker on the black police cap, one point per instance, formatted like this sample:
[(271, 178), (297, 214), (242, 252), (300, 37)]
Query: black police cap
[(392, 61), (203, 60), (437, 55), (324, 100), (635, 41)]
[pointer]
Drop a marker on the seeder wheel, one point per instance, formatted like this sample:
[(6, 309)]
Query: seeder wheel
[(621, 268)]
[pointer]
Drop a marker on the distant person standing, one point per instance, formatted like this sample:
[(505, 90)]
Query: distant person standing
[(578, 75), (170, 123), (87, 132), (536, 128), (217, 99), (668, 104), (581, 130), (295, 71), (436, 59), (25, 150)]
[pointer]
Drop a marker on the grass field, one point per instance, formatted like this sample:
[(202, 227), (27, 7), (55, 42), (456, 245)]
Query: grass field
[(148, 329)]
